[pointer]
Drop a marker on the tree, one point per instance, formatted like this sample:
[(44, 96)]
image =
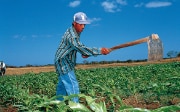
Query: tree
[(172, 54), (178, 55), (85, 62)]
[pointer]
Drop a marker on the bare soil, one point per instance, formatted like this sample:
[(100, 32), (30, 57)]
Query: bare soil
[(129, 101), (23, 70)]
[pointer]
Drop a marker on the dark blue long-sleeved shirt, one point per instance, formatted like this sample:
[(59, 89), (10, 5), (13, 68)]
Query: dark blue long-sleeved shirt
[(65, 57)]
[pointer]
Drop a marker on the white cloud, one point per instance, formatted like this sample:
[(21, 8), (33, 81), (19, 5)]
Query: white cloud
[(113, 5), (34, 36), (21, 37), (122, 2), (49, 36), (41, 36), (74, 3), (16, 36), (94, 19), (157, 4), (109, 6), (139, 5)]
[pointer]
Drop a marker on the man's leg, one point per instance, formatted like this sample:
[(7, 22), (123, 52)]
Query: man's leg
[(60, 90), (3, 70), (71, 84)]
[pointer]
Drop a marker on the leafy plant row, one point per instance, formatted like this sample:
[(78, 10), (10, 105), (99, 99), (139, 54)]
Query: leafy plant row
[(156, 82), (101, 89)]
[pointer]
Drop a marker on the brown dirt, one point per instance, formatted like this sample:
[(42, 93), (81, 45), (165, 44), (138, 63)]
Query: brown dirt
[(132, 101), (23, 70), (8, 109), (129, 101)]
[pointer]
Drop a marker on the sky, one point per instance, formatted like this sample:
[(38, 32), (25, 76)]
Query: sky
[(31, 30)]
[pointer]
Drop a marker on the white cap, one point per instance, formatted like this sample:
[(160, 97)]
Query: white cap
[(81, 18)]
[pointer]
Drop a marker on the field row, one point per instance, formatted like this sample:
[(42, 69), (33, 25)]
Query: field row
[(107, 89)]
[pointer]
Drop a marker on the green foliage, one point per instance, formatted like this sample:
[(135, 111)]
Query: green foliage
[(12, 86), (101, 89), (160, 80)]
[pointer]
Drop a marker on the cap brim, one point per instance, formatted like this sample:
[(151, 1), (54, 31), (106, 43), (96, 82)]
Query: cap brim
[(83, 22)]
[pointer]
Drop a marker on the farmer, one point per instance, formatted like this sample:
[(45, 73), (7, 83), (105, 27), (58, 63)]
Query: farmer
[(65, 57), (2, 68)]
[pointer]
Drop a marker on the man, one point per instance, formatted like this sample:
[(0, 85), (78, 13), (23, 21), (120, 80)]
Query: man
[(65, 57), (2, 68)]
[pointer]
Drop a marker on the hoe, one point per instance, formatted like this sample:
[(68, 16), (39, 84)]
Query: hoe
[(155, 46)]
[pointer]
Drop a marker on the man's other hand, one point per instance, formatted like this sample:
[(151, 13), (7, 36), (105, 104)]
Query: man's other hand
[(85, 56)]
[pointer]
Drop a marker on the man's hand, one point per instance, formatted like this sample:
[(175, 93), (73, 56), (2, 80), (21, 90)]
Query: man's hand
[(105, 51), (85, 56)]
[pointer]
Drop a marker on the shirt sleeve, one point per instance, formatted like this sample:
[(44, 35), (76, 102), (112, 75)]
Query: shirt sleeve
[(81, 48)]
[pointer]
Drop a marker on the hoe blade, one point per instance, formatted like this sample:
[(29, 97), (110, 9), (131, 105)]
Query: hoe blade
[(155, 49)]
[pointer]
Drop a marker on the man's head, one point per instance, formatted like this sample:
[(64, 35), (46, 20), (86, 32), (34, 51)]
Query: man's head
[(79, 21), (81, 18)]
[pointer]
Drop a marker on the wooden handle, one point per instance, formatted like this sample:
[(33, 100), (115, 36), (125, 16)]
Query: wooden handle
[(130, 43)]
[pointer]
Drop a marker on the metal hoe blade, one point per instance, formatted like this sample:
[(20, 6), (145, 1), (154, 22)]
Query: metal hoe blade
[(155, 49)]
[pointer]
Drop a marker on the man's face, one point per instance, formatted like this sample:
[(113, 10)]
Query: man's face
[(78, 27)]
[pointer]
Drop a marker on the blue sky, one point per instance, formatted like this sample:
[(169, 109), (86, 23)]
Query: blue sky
[(30, 30)]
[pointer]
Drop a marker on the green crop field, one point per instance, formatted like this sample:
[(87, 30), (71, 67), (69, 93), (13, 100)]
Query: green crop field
[(102, 90)]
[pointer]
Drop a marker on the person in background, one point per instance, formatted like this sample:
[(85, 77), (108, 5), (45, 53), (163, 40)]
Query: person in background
[(2, 68), (65, 57)]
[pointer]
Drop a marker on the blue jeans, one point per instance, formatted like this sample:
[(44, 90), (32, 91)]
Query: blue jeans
[(67, 85)]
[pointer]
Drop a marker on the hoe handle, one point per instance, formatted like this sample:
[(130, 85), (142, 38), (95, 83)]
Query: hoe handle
[(130, 43)]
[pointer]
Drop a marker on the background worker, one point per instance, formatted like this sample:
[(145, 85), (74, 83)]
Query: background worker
[(2, 68), (65, 57)]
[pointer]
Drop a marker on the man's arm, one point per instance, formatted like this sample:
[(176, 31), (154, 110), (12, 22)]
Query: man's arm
[(86, 51)]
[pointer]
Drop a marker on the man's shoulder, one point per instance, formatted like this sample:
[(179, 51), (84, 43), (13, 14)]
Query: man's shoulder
[(71, 33)]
